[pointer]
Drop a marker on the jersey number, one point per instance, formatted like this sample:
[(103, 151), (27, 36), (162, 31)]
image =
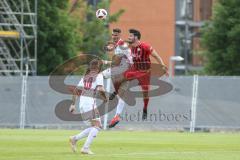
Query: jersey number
[(88, 83)]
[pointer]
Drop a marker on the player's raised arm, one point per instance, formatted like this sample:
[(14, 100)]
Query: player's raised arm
[(106, 62), (156, 56)]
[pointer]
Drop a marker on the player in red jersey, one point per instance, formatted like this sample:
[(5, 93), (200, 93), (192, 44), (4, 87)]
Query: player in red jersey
[(141, 68)]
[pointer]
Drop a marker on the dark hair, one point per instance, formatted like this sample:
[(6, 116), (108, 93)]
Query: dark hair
[(94, 64), (117, 30), (135, 33)]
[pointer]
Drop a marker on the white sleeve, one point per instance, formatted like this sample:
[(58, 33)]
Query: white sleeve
[(99, 80), (81, 84), (129, 56)]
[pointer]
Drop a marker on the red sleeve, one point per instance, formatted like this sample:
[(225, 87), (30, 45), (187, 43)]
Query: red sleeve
[(148, 48)]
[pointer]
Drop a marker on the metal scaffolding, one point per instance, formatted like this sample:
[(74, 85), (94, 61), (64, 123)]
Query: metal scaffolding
[(18, 36), (185, 25)]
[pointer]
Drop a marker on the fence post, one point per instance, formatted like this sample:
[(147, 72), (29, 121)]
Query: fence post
[(194, 103), (108, 89), (23, 98)]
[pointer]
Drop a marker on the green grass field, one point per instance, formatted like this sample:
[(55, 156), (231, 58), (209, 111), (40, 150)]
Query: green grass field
[(115, 145)]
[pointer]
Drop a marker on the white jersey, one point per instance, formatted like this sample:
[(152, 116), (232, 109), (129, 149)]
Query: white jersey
[(89, 84), (123, 51)]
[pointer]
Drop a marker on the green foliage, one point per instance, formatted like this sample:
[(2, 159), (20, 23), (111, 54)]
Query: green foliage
[(57, 38), (62, 35), (221, 38), (96, 32)]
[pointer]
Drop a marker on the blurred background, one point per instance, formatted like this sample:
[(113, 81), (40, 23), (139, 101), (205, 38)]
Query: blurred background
[(197, 39), (203, 32)]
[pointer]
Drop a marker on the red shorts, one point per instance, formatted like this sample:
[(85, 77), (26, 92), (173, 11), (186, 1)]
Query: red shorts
[(143, 77)]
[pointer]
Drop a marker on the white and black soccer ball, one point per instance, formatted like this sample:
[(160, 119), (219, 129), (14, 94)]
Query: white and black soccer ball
[(101, 14)]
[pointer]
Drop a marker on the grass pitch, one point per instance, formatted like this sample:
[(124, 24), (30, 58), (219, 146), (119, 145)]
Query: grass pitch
[(114, 145)]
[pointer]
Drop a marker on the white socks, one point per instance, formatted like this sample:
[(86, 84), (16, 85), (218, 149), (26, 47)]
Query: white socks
[(92, 134), (120, 106), (83, 134)]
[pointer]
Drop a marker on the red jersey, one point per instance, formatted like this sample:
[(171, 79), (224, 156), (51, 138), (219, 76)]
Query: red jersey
[(141, 56)]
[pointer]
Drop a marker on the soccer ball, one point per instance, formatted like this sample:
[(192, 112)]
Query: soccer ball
[(101, 14)]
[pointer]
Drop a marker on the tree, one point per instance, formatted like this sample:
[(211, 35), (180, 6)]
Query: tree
[(61, 34), (221, 39), (95, 32), (57, 38)]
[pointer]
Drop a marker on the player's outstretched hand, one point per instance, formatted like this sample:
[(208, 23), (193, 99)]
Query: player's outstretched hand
[(110, 46), (165, 69)]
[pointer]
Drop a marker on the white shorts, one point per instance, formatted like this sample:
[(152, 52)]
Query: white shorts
[(86, 110), (88, 115)]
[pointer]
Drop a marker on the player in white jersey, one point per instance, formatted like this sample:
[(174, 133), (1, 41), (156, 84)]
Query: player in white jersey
[(90, 84), (122, 60)]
